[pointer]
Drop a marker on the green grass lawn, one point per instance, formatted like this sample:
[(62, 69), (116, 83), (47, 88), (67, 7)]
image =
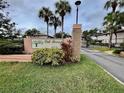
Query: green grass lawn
[(103, 49), (84, 77)]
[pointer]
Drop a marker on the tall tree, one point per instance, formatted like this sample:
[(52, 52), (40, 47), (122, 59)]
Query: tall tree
[(32, 32), (54, 21), (93, 32), (3, 4), (112, 18), (7, 27), (87, 37), (62, 8), (109, 25), (65, 35), (117, 23), (120, 18), (113, 22), (45, 13)]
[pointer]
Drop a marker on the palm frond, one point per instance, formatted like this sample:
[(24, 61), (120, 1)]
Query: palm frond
[(45, 14), (107, 5), (55, 21), (63, 7), (121, 3), (104, 23)]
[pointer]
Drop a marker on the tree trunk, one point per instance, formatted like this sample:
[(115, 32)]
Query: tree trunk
[(116, 38), (55, 31), (87, 44), (47, 30), (62, 26), (110, 40)]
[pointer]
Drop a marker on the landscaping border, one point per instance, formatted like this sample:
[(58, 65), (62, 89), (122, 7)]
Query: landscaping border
[(111, 75)]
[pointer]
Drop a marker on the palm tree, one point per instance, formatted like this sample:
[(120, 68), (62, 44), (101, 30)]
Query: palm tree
[(54, 21), (45, 14), (86, 35), (93, 32), (114, 4), (116, 21), (108, 23), (62, 8), (120, 18)]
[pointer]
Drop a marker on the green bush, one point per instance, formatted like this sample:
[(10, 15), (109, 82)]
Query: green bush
[(67, 49), (118, 51), (122, 45), (48, 56), (9, 47)]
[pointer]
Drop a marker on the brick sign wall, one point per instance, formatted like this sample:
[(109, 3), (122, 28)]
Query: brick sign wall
[(33, 43)]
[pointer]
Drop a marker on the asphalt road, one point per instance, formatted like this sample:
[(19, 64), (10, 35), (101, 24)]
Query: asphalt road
[(113, 64)]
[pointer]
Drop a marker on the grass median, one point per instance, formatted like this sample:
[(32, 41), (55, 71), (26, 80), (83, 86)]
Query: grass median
[(84, 77)]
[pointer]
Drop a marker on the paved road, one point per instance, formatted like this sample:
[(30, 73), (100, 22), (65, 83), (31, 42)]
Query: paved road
[(113, 64)]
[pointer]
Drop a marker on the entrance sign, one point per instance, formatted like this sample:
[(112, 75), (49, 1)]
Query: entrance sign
[(32, 43), (46, 43)]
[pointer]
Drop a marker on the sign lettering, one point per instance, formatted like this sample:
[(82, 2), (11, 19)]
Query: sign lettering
[(46, 43)]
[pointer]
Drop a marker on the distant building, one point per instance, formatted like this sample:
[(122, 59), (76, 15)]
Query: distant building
[(39, 36), (104, 37)]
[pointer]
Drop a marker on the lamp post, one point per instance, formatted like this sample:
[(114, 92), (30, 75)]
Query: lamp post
[(77, 3)]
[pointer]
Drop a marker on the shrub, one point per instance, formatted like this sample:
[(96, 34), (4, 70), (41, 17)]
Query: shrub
[(48, 56), (122, 45), (55, 56), (117, 51), (67, 49), (103, 44), (8, 47), (102, 49)]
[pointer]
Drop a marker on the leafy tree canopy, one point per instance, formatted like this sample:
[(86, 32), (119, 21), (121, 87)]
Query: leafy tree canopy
[(7, 27), (59, 35), (32, 32)]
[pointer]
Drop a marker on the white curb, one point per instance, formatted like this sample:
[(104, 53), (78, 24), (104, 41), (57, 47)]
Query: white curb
[(106, 71), (112, 75)]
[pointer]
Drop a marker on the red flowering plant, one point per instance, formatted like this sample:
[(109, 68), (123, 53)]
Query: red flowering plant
[(67, 49)]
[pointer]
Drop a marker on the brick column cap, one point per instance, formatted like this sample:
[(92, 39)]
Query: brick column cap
[(77, 26)]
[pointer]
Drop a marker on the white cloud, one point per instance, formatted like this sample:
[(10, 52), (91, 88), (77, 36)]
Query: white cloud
[(25, 13)]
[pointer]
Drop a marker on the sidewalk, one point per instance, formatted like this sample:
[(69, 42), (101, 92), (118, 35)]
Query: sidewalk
[(13, 58)]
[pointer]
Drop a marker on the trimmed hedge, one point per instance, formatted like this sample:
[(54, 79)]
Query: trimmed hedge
[(122, 45), (117, 51), (10, 47), (48, 56)]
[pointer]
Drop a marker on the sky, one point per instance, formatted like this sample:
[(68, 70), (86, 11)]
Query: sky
[(25, 14)]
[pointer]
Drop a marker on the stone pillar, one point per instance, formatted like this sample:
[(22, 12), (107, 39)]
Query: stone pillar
[(76, 36)]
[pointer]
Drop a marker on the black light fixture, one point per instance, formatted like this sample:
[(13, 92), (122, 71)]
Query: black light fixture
[(77, 3)]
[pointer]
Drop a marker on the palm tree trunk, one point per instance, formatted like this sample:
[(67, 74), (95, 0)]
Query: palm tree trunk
[(62, 26), (110, 40), (47, 30), (55, 31), (115, 38)]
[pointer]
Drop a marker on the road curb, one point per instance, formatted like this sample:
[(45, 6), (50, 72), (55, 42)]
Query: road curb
[(111, 75), (114, 77)]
